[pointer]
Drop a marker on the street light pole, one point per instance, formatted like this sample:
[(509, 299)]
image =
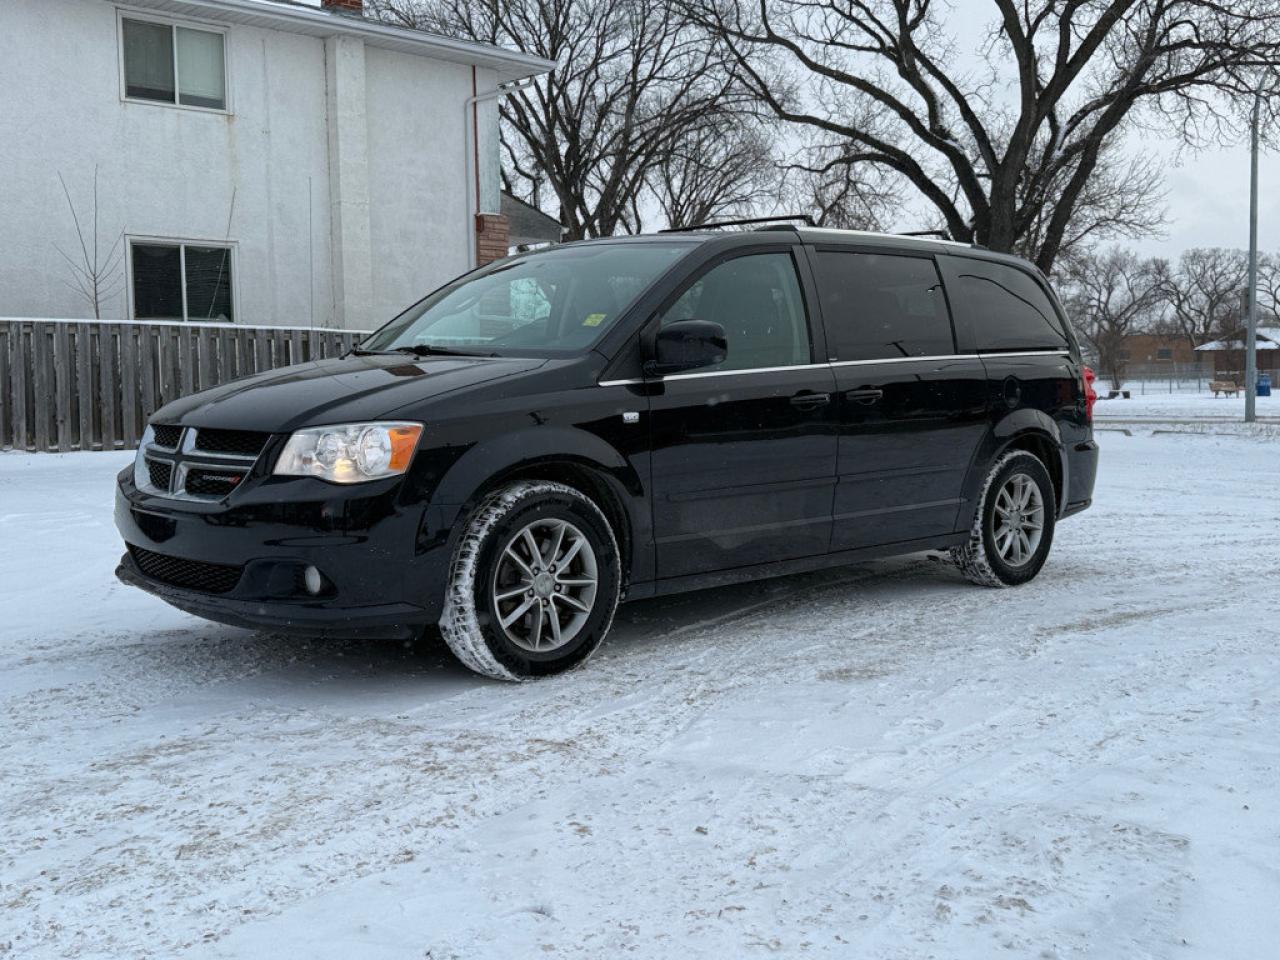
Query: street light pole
[(1251, 342)]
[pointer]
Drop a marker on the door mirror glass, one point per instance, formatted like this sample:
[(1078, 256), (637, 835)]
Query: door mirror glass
[(687, 345)]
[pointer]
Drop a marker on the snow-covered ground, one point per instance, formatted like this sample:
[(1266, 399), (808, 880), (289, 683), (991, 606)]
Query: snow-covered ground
[(1162, 405), (877, 762)]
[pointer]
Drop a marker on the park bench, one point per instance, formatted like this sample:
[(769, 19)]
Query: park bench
[(1228, 387)]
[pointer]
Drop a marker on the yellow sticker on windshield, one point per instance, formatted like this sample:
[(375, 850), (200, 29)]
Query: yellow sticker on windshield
[(594, 319)]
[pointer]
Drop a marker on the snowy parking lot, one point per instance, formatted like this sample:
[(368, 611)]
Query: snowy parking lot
[(877, 762)]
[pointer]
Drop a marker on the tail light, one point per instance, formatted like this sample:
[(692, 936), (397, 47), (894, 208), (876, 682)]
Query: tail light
[(1087, 376)]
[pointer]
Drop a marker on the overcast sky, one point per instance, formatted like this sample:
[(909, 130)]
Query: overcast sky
[(1209, 203), (1208, 193)]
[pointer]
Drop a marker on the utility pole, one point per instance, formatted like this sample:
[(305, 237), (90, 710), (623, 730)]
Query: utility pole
[(1251, 341)]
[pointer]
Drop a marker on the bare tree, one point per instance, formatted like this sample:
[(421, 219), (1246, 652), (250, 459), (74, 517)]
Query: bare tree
[(721, 168), (838, 193), (1269, 289), (1009, 152), (1125, 197), (1205, 293), (95, 275), (633, 79), (1112, 295)]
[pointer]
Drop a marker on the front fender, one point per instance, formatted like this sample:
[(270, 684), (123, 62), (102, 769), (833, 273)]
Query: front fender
[(506, 453), (511, 454)]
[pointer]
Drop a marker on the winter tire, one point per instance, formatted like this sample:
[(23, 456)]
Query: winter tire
[(534, 582), (1013, 528)]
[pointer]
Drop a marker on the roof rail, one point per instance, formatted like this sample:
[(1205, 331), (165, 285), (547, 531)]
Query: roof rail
[(746, 221), (940, 234)]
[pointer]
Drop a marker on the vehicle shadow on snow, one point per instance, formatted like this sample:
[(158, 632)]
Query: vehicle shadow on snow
[(379, 675), (670, 619), (366, 672)]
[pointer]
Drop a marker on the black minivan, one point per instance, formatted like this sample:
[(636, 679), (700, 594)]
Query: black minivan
[(624, 418)]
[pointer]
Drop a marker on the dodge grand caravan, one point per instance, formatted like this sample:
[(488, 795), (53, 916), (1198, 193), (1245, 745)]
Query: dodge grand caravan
[(542, 437)]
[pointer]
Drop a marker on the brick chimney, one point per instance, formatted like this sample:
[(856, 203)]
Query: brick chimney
[(492, 238), (353, 7)]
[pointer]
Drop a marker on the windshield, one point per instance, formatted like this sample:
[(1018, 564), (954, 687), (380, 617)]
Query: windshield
[(555, 302)]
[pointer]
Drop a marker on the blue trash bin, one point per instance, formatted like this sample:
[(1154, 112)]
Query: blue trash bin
[(1264, 384)]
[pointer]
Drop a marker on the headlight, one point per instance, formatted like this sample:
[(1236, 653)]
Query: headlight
[(141, 477), (350, 452)]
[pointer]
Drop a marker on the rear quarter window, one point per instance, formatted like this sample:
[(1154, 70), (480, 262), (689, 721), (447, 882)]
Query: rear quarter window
[(1001, 308)]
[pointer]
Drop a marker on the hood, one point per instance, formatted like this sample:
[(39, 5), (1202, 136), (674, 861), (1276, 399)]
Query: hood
[(345, 390)]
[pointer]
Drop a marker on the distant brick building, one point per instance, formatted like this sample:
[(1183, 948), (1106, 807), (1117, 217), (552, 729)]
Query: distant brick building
[(1145, 348), (1228, 354)]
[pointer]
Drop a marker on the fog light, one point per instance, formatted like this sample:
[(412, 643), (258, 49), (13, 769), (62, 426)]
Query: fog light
[(313, 581)]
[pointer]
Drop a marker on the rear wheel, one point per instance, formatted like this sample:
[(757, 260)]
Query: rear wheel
[(1013, 528), (534, 583)]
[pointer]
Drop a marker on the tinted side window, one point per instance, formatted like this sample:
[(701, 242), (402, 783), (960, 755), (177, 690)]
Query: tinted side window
[(878, 307), (757, 299), (1003, 307)]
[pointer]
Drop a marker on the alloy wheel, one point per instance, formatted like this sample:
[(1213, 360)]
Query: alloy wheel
[(1019, 520), (545, 585)]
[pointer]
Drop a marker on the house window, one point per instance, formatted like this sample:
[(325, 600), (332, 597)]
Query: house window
[(1164, 353), (167, 63), (1122, 354), (181, 281)]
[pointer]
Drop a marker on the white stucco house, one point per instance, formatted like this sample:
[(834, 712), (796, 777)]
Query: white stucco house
[(260, 161)]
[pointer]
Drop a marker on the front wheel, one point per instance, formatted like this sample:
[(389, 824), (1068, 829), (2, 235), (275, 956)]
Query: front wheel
[(534, 582), (1013, 528)]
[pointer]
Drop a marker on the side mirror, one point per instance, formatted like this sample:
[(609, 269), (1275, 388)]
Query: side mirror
[(687, 345)]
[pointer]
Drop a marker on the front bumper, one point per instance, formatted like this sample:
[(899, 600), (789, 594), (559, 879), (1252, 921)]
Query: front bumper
[(383, 562), (375, 621)]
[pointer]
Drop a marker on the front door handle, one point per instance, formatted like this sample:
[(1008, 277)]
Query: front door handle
[(810, 401), (865, 394)]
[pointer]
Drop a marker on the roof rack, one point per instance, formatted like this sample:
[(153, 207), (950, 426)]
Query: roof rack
[(940, 234), (744, 222)]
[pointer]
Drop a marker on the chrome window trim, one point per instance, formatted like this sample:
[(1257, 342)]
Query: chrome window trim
[(730, 373), (711, 373), (1027, 353), (633, 381), (935, 357)]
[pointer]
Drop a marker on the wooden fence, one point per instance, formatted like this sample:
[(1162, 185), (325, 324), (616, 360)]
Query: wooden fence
[(92, 385)]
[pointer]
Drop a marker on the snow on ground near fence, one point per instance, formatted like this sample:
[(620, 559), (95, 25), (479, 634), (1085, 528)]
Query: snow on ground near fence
[(876, 762), (1185, 406)]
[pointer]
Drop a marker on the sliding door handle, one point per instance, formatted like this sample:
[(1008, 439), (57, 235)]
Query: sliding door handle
[(810, 401)]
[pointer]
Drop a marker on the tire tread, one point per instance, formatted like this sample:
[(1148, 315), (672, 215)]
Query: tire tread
[(459, 623), (971, 556)]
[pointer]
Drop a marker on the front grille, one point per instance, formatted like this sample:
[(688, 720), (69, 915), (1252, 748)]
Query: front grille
[(212, 483), (159, 472), (166, 434), (196, 464), (192, 574), (240, 442)]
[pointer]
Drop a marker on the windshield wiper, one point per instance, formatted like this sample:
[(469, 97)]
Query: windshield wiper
[(418, 350), (428, 350)]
